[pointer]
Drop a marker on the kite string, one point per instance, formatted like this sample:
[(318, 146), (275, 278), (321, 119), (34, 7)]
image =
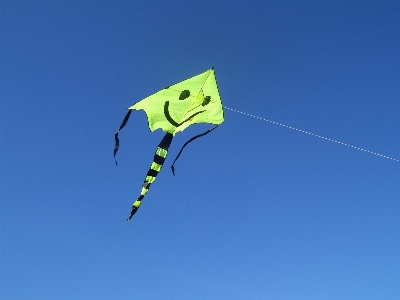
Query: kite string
[(313, 134)]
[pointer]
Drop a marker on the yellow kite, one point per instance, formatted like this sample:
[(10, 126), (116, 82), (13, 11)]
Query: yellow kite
[(173, 109)]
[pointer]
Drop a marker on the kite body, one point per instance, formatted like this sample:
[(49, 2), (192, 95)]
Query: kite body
[(173, 109), (178, 106)]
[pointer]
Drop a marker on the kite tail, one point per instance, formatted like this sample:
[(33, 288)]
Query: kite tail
[(155, 168)]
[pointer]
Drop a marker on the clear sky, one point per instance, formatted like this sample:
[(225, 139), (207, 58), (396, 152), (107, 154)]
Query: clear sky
[(255, 211)]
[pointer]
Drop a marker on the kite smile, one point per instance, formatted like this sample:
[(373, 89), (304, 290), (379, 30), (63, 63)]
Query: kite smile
[(171, 120)]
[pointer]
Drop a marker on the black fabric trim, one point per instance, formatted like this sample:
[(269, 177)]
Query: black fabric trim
[(159, 159), (133, 211), (189, 141), (166, 141), (116, 146), (128, 114), (152, 172)]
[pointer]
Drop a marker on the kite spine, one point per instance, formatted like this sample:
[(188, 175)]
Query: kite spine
[(155, 168)]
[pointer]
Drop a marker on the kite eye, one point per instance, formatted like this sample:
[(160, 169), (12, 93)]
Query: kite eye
[(206, 101), (184, 95)]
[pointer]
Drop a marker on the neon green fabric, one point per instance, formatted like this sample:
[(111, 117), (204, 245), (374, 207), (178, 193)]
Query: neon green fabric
[(191, 101)]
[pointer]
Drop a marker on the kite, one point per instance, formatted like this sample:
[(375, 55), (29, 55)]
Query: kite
[(173, 109)]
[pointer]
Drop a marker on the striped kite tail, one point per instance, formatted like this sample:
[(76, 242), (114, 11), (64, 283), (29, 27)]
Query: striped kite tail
[(155, 168)]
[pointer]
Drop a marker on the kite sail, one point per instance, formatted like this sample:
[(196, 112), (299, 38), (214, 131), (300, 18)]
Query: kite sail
[(173, 109)]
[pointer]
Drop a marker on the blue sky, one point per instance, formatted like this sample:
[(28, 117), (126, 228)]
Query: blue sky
[(255, 211)]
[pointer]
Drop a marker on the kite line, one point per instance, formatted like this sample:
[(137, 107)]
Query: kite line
[(313, 134)]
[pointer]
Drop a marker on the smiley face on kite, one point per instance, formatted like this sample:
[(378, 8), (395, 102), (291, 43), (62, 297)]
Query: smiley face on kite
[(184, 94)]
